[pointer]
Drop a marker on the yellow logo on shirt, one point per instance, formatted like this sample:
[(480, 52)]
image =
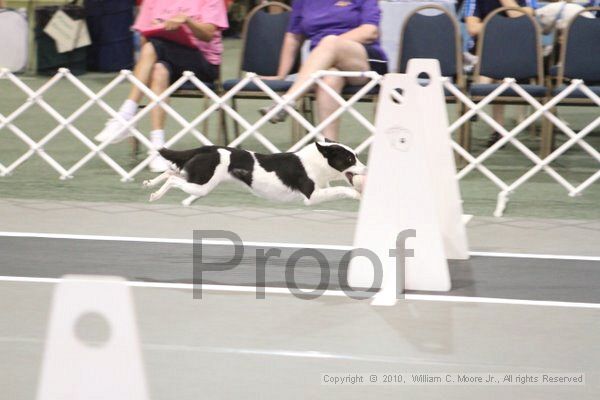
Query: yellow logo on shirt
[(343, 3)]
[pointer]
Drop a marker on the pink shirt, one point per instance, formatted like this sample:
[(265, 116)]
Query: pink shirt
[(205, 11)]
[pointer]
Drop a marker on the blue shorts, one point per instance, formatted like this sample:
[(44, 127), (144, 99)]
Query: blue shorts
[(178, 58)]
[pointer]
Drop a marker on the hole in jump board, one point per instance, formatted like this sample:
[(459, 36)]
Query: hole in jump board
[(423, 79), (92, 329)]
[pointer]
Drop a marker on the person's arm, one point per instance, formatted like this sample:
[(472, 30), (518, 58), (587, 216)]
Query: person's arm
[(201, 30), (474, 25), (366, 33), (292, 41), (290, 48), (515, 13)]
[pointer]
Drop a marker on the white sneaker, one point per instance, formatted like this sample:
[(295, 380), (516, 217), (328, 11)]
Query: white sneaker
[(159, 164), (113, 131)]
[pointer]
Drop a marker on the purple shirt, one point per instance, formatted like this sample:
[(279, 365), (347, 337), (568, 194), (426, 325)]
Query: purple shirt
[(315, 19)]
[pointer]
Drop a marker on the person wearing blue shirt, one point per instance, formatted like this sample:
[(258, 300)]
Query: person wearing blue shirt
[(594, 3), (477, 10)]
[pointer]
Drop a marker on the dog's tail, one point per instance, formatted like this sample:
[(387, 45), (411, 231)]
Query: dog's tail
[(177, 157)]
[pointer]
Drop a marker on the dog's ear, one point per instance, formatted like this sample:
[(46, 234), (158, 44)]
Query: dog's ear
[(324, 150)]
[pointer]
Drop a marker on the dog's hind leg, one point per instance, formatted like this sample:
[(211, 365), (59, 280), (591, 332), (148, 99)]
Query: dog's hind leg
[(196, 190), (162, 177), (208, 170), (189, 200), (164, 188)]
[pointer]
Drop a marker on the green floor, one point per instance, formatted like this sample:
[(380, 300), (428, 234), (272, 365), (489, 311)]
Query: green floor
[(541, 197)]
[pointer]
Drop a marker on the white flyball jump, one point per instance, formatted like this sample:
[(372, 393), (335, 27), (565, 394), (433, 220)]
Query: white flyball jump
[(411, 189), (110, 366)]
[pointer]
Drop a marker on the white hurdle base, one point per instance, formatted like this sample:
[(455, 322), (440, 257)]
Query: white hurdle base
[(411, 185), (110, 368)]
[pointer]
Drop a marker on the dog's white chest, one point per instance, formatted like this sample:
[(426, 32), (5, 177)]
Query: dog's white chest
[(268, 185)]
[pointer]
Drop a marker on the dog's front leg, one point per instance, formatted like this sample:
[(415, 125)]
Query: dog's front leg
[(331, 193)]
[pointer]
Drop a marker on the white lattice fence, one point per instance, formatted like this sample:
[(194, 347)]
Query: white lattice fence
[(252, 130), (511, 136)]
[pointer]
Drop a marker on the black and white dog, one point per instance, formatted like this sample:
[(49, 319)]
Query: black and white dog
[(303, 175)]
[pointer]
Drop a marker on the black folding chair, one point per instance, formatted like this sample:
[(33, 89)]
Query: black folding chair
[(579, 59), (509, 48), (434, 36), (262, 38), (431, 31)]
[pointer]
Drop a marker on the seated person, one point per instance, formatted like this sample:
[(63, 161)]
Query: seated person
[(475, 13), (344, 36), (162, 61), (594, 3)]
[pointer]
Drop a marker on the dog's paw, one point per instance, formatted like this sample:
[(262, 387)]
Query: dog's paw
[(153, 197), (147, 183), (187, 202), (356, 195)]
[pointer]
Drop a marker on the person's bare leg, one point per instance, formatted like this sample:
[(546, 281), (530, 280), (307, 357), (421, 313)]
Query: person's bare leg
[(332, 52), (326, 105), (114, 129), (143, 70), (159, 83)]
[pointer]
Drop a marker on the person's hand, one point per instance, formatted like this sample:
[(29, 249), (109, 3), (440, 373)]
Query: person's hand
[(175, 22), (270, 78)]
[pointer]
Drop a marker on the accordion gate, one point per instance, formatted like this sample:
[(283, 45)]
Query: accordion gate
[(221, 102)]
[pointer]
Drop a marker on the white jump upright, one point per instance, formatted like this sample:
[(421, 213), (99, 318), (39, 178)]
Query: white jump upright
[(411, 185), (108, 369), (441, 161)]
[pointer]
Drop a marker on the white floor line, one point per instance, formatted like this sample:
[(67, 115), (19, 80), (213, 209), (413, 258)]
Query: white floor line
[(530, 255), (311, 354), (328, 293), (270, 245), (168, 240)]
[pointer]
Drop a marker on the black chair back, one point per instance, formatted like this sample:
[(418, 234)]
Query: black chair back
[(581, 58), (510, 47), (432, 36), (263, 36)]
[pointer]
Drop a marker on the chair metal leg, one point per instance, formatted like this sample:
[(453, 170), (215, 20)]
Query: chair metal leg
[(236, 126), (135, 144), (205, 124), (296, 128), (135, 148), (533, 127), (464, 136), (547, 136), (223, 132), (311, 109)]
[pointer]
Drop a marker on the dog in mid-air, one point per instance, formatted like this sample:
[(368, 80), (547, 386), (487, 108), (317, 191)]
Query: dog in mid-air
[(303, 175)]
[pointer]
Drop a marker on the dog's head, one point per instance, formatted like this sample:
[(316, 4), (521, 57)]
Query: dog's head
[(341, 159)]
